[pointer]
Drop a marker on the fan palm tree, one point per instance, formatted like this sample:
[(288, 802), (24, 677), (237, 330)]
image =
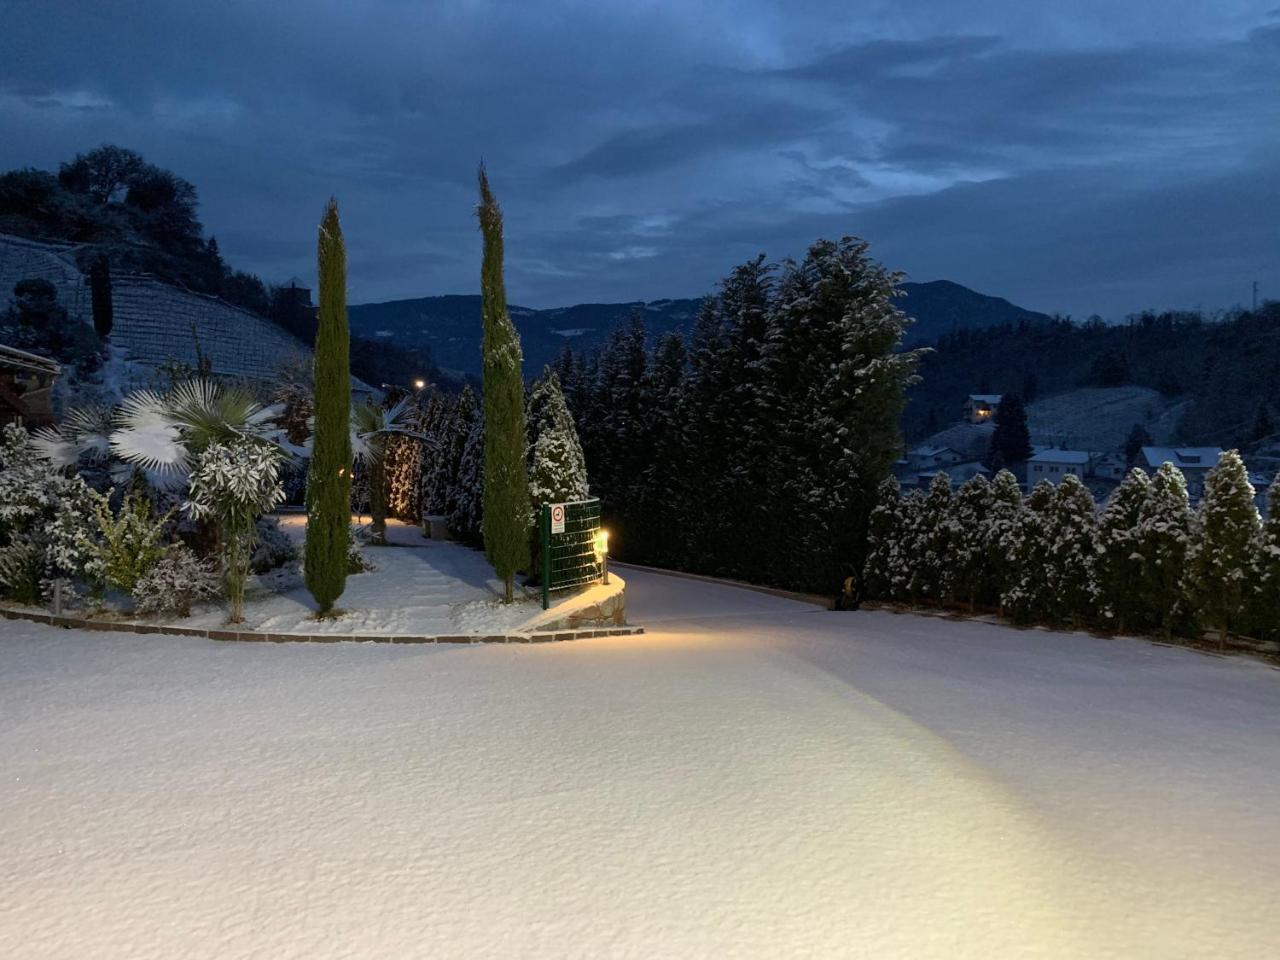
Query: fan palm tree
[(372, 426)]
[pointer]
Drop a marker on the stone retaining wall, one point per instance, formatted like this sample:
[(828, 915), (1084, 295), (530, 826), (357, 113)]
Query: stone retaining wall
[(546, 635)]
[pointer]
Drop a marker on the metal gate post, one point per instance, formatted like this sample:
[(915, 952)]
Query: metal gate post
[(544, 524)]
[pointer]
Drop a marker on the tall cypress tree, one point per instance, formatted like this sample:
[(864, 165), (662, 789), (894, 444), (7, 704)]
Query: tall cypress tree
[(1011, 441), (1228, 532), (506, 519), (329, 479)]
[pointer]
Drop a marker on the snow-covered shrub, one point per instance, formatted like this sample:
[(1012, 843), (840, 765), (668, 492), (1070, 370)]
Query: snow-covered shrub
[(357, 562), (45, 520), (129, 543), (884, 531), (232, 484), (1265, 602), (175, 582), (273, 548), (931, 543), (999, 535)]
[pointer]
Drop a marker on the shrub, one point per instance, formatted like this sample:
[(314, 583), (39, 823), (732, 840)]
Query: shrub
[(130, 544), (274, 548), (175, 582)]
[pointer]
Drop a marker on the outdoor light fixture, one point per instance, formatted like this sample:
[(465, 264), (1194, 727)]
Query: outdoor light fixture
[(419, 384), (601, 545)]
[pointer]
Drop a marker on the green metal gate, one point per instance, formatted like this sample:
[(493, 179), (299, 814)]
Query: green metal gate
[(576, 556)]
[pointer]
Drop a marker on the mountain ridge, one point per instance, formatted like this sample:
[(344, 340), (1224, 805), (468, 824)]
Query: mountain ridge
[(449, 324)]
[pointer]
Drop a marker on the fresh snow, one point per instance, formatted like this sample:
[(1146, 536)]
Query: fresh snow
[(419, 586), (753, 777)]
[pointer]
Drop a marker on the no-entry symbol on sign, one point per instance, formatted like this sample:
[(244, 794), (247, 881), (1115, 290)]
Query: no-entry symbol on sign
[(557, 518)]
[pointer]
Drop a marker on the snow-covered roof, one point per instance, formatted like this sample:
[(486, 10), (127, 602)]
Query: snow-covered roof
[(992, 399), (1059, 456), (931, 450), (1193, 457), (13, 357)]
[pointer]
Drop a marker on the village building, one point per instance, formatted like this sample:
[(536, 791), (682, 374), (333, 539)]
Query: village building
[(1194, 462), (1053, 464), (26, 387), (981, 407), (932, 457)]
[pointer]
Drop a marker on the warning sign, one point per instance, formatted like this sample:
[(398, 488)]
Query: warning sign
[(557, 518)]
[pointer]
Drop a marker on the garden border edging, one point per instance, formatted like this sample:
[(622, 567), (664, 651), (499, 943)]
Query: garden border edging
[(257, 636)]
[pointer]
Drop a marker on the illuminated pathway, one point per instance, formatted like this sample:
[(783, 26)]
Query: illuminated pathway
[(753, 777)]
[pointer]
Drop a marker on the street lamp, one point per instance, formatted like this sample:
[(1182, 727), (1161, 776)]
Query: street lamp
[(419, 384)]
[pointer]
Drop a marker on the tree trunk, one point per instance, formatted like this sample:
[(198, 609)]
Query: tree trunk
[(378, 495)]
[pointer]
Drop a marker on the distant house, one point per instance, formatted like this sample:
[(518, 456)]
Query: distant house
[(981, 407), (1194, 462), (932, 457), (1108, 466), (1053, 465), (26, 387), (958, 473)]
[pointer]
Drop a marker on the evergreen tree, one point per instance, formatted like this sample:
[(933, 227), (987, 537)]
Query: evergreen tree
[(100, 296), (1029, 596), (329, 478), (1073, 550), (662, 492), (506, 520), (557, 470), (1138, 438), (900, 558), (970, 571), (464, 504), (1121, 561), (1163, 539), (837, 386), (1266, 598), (1225, 541), (933, 541), (999, 537), (884, 531), (1263, 426), (1011, 441)]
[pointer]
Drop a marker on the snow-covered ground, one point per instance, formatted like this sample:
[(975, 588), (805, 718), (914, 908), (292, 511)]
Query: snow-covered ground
[(754, 777), (420, 586)]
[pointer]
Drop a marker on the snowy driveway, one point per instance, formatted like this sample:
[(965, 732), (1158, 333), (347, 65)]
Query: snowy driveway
[(752, 778)]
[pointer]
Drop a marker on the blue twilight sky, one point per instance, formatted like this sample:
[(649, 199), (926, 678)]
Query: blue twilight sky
[(1091, 155)]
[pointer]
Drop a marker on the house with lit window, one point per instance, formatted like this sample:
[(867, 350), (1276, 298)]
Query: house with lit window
[(981, 407)]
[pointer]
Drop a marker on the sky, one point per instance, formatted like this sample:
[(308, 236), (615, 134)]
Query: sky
[(1097, 156)]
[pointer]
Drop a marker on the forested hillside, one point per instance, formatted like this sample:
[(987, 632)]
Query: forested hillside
[(1229, 369)]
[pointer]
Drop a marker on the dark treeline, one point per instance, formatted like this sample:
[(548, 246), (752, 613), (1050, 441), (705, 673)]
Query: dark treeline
[(1228, 367), (753, 450)]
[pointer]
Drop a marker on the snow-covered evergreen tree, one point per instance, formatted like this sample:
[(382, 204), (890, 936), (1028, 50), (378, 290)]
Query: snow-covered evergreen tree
[(900, 559), (1225, 541), (932, 542), (884, 530), (1121, 562), (1029, 596), (464, 505), (557, 470), (968, 564), (1163, 539), (1265, 612), (1073, 552), (999, 537)]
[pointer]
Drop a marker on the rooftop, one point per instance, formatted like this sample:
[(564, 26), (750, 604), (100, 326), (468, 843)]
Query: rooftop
[(1182, 456)]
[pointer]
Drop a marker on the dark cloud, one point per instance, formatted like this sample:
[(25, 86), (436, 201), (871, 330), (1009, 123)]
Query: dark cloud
[(1103, 158)]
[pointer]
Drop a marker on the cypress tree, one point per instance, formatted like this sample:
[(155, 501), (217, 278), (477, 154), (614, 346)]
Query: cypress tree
[(1011, 440), (884, 530), (932, 542), (1121, 563), (968, 568), (1074, 540), (1266, 599), (329, 479), (1227, 534), (1029, 597), (1164, 536), (506, 518), (1000, 536)]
